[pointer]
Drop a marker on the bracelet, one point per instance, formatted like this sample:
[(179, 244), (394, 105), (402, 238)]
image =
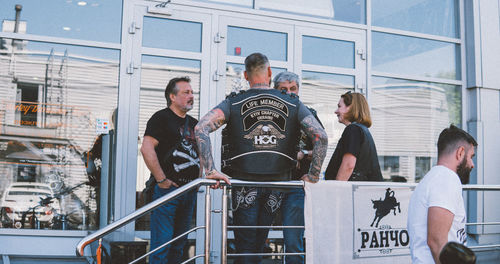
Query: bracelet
[(210, 172), (305, 152), (164, 179)]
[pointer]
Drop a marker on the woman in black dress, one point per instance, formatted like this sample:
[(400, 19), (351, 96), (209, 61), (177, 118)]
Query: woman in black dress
[(355, 157)]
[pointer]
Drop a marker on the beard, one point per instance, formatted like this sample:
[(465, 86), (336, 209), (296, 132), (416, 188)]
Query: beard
[(188, 107), (463, 171)]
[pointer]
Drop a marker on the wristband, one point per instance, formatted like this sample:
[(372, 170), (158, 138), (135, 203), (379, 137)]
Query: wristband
[(210, 172), (164, 179), (305, 152)]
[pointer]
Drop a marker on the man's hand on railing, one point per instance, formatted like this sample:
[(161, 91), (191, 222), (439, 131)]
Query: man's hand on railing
[(215, 175)]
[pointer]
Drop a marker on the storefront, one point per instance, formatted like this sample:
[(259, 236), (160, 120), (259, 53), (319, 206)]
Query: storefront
[(66, 66)]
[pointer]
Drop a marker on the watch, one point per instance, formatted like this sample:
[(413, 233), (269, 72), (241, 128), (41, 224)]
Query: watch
[(305, 152)]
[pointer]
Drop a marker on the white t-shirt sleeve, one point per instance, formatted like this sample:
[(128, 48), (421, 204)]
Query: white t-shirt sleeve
[(445, 193)]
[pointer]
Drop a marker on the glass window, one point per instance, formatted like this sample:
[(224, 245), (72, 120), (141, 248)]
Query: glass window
[(171, 34), (245, 41), (322, 92), (389, 165), (327, 52), (56, 108), (422, 166), (422, 16), (245, 3), (409, 115), (342, 10), (235, 79), (415, 56), (89, 20), (156, 72)]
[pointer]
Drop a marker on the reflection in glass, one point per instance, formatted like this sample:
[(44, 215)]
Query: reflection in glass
[(156, 72), (415, 56), (422, 166), (245, 41), (389, 166), (56, 105), (409, 115), (89, 20), (423, 16), (171, 34), (327, 52), (235, 78), (245, 3), (322, 92), (342, 10)]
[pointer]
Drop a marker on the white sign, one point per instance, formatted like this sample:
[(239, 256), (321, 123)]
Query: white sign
[(380, 215), (357, 222), (102, 126)]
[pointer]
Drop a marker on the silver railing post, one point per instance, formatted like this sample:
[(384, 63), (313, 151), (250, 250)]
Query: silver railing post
[(207, 224), (224, 226)]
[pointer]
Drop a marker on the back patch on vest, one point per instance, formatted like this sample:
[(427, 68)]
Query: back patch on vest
[(265, 101), (264, 115), (264, 136)]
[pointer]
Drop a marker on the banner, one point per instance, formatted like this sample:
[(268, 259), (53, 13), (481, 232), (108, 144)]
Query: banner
[(357, 222)]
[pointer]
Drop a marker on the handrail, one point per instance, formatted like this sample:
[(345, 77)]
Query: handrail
[(160, 201), (204, 182), (138, 213), (167, 243), (482, 187)]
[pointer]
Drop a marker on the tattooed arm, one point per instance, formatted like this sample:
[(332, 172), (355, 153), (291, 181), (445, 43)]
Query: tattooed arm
[(317, 134), (207, 124)]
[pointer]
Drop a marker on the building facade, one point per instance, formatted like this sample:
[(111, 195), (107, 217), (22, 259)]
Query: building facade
[(80, 79)]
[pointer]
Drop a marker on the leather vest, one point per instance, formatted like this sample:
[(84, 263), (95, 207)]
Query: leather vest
[(367, 167), (263, 131)]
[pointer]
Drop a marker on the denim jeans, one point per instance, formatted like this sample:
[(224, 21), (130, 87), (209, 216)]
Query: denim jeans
[(169, 221), (253, 207), (293, 215)]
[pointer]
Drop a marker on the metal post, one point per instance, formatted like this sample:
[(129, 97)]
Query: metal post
[(224, 226), (207, 224)]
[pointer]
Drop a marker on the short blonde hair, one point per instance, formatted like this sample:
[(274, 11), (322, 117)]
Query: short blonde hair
[(359, 111)]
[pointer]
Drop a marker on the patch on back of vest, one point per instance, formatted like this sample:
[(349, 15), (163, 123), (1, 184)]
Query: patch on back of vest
[(267, 101), (264, 115), (264, 136)]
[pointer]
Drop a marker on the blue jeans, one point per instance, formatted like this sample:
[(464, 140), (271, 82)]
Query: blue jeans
[(253, 207), (293, 215), (169, 221)]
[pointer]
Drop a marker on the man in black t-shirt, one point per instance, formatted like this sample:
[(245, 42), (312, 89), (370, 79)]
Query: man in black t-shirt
[(169, 151)]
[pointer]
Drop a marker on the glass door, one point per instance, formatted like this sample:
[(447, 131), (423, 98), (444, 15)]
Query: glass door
[(238, 39), (167, 44), (330, 61)]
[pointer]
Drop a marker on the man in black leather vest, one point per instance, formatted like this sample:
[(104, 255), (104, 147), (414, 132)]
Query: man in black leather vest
[(263, 129)]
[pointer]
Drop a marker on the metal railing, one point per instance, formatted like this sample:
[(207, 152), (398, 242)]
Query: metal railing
[(174, 194), (224, 223), (474, 187), (148, 208)]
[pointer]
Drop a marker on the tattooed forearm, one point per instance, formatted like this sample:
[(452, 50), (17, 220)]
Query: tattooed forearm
[(207, 124), (317, 134)]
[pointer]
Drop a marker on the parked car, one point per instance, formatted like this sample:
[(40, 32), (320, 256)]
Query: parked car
[(23, 197)]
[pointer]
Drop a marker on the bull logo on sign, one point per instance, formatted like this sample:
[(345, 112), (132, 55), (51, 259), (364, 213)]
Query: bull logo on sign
[(384, 207)]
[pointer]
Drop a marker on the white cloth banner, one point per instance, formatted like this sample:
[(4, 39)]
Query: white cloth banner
[(357, 222)]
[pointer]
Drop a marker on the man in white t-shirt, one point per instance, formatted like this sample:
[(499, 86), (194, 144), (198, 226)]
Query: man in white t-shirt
[(436, 212)]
